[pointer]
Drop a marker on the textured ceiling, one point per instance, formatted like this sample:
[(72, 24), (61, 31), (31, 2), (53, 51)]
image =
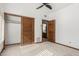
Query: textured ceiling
[(58, 6)]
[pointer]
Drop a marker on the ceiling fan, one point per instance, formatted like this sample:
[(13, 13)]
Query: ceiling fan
[(45, 4)]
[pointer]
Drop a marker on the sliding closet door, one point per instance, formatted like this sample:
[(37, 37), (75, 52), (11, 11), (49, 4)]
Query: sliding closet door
[(27, 30), (12, 29)]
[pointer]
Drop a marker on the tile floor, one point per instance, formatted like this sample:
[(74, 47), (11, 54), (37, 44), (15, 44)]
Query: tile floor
[(40, 49)]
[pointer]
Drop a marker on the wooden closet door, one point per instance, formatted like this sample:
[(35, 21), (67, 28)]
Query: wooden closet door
[(27, 30), (51, 31)]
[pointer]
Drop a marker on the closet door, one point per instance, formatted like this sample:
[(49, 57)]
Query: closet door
[(51, 31), (12, 29), (27, 30)]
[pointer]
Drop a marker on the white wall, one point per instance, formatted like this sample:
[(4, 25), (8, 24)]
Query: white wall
[(0, 29), (1, 22), (38, 29), (2, 5), (1, 26), (67, 25), (1, 36), (1, 32)]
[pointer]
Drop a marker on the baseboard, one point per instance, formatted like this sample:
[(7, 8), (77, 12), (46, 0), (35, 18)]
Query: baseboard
[(2, 51), (12, 44), (67, 46), (27, 44), (37, 42)]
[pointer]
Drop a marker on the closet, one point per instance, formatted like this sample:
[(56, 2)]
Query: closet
[(12, 29), (18, 29)]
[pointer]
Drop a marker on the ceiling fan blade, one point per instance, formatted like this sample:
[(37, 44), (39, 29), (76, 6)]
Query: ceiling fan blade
[(45, 3), (40, 6), (48, 6)]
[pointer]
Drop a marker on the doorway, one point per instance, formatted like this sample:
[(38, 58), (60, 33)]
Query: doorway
[(44, 30), (48, 30)]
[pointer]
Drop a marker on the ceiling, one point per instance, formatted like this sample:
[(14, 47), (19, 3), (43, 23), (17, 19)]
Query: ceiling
[(58, 6)]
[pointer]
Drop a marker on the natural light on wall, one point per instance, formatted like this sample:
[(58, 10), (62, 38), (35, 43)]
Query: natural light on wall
[(1, 32)]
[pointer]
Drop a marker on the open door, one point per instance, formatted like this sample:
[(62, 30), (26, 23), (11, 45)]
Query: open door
[(51, 31), (27, 30)]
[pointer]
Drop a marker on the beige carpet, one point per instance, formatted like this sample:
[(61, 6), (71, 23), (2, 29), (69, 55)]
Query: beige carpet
[(40, 49), (45, 53)]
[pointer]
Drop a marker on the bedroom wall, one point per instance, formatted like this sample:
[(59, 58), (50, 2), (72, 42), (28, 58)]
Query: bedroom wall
[(1, 32), (1, 26), (2, 5), (29, 9), (1, 22), (67, 25)]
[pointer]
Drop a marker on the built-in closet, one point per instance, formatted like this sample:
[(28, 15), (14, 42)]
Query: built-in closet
[(12, 29), (18, 29)]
